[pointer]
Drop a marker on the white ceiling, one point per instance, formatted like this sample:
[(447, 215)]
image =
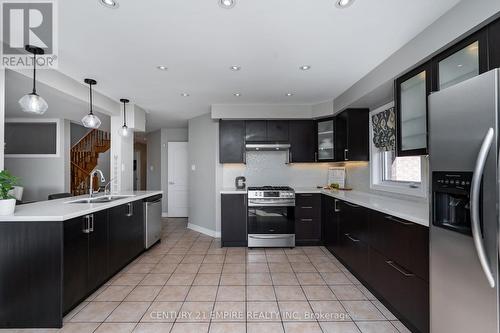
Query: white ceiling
[(198, 41)]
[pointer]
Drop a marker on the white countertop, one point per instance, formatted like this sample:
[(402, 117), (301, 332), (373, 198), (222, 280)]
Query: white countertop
[(413, 211), (60, 210), (232, 191)]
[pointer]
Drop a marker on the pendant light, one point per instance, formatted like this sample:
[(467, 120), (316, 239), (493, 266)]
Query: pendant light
[(91, 120), (32, 102), (124, 131)]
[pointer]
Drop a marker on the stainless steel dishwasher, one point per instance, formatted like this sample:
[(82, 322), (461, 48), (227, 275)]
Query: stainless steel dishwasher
[(152, 220)]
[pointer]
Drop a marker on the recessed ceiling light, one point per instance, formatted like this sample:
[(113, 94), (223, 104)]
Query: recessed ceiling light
[(162, 68), (109, 3), (460, 65), (343, 3), (185, 95), (289, 94), (227, 4), (237, 94), (305, 67), (235, 68)]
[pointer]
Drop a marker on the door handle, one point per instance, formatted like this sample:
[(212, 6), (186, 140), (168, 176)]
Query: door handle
[(335, 206), (130, 209), (351, 238), (474, 205), (400, 270)]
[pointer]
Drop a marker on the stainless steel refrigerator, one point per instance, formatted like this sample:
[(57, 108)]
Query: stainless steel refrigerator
[(463, 152)]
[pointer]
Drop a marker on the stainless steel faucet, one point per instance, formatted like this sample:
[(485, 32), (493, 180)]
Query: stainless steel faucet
[(92, 174)]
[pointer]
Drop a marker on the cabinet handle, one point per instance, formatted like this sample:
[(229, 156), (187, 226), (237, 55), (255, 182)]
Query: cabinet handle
[(345, 154), (91, 220), (316, 157), (290, 157), (305, 195), (86, 224), (400, 270), (335, 206), (130, 209), (245, 157), (306, 220), (390, 218), (306, 207), (351, 205), (351, 238)]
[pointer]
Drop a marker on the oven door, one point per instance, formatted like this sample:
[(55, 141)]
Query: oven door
[(270, 220)]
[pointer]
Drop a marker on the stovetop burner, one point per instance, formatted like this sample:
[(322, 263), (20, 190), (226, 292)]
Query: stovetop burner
[(270, 188)]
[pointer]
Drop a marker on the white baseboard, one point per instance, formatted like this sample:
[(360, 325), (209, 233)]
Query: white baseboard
[(205, 231), (164, 214)]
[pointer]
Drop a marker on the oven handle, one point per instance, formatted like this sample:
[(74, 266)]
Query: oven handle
[(270, 237), (271, 203)]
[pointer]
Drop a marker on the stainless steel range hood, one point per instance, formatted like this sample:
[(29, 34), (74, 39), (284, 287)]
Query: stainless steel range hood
[(267, 146)]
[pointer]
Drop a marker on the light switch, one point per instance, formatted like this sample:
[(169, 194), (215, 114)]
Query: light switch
[(193, 167)]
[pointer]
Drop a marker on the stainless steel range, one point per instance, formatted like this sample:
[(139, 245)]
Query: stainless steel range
[(271, 216)]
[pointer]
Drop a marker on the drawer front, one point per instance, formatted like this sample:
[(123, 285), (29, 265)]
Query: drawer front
[(304, 211), (404, 242), (402, 289), (308, 200), (307, 229), (355, 254)]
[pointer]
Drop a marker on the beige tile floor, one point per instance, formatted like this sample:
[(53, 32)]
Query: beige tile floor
[(187, 283)]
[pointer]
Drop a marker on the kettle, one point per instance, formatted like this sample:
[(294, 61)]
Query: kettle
[(239, 183)]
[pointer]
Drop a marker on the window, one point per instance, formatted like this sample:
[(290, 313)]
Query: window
[(402, 175)]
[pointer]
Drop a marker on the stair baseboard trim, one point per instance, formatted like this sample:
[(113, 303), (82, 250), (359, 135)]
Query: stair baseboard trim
[(164, 214), (205, 231)]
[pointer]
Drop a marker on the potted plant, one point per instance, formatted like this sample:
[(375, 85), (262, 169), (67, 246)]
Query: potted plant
[(7, 201)]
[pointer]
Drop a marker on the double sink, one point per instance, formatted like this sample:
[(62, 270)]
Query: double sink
[(100, 199)]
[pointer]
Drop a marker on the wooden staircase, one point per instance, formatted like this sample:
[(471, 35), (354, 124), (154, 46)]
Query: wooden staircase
[(84, 157)]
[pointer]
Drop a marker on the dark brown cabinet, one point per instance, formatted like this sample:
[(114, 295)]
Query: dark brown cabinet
[(494, 44), (277, 130), (233, 220), (232, 141), (302, 141), (307, 219), (352, 136), (325, 140), (329, 221), (85, 256), (125, 227), (256, 130), (266, 131)]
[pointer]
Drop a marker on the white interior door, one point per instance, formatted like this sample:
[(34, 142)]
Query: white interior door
[(177, 179)]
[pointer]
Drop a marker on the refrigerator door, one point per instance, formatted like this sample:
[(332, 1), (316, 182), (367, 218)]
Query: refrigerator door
[(460, 118)]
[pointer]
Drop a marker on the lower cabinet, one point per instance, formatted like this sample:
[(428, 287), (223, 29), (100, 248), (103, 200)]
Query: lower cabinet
[(307, 219), (388, 254), (85, 256), (126, 226), (233, 220)]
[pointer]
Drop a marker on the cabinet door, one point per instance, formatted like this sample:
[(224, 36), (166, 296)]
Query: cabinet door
[(136, 228), (330, 223), (75, 260), (256, 130), (119, 247), (234, 220), (494, 45), (302, 141), (412, 91), (98, 249), (277, 130), (462, 61), (325, 140), (352, 135), (231, 141)]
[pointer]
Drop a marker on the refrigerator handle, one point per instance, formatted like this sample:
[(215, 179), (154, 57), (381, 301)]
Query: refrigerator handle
[(474, 205)]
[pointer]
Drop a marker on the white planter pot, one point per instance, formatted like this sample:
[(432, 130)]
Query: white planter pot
[(7, 206)]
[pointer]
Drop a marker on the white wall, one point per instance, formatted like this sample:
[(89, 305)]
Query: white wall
[(466, 15), (153, 181), (261, 111), (203, 143), (122, 158)]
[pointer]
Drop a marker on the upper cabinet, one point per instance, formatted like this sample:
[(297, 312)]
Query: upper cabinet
[(494, 45), (352, 135), (302, 141), (326, 140), (462, 61), (412, 90), (266, 131), (231, 141)]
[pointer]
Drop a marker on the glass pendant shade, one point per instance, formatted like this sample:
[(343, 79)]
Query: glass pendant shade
[(33, 103), (91, 121), (124, 131)]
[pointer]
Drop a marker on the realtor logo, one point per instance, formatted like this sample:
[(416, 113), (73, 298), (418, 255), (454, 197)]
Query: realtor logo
[(28, 23)]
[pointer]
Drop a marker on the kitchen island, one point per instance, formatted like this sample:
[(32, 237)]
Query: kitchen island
[(54, 254)]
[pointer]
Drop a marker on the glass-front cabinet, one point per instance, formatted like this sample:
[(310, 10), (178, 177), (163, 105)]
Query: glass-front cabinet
[(412, 91), (325, 139), (461, 62)]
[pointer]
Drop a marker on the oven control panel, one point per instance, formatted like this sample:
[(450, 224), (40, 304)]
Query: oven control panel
[(271, 194)]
